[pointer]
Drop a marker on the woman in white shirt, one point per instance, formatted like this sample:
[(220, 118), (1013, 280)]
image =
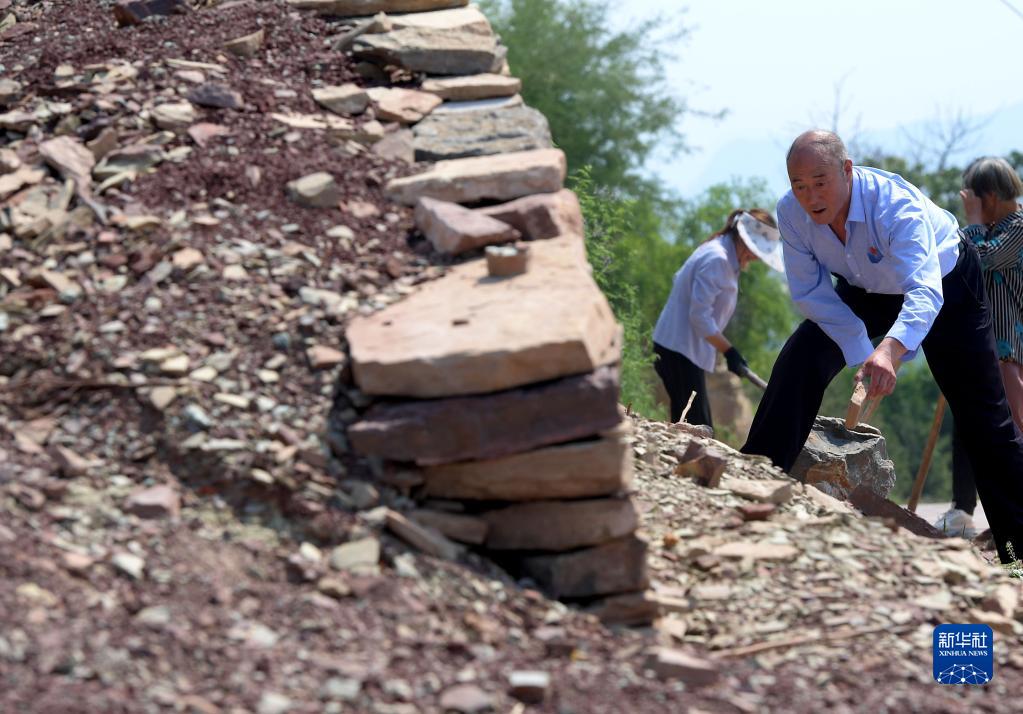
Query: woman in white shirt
[(689, 332)]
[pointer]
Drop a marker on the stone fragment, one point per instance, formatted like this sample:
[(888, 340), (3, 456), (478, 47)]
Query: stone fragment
[(541, 216), (425, 539), (460, 134), (591, 468), (479, 86), (505, 261), (433, 50), (162, 397), (397, 145), (69, 157), (246, 45), (615, 567), (406, 106), (179, 115), (865, 499), (131, 565), (70, 464), (628, 610), (317, 190), (757, 551), (776, 491), (154, 502), (10, 91), (356, 555), (560, 525), (187, 258), (463, 334), (669, 663), (9, 161), (529, 686), (466, 699), (133, 12), (453, 229), (458, 527), (343, 99), (356, 8), (499, 178), (1004, 600), (705, 464), (323, 357), (204, 132), (489, 426), (218, 96), (837, 460), (757, 511)]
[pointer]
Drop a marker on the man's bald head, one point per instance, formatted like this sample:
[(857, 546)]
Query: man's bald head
[(821, 144)]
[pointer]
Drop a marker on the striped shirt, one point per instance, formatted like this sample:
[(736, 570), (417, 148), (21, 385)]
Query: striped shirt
[(1001, 255)]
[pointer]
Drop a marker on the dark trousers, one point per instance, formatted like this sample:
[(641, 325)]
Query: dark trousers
[(681, 378), (964, 487), (960, 350)]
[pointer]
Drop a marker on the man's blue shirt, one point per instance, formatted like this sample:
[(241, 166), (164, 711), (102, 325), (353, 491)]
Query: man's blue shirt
[(898, 242)]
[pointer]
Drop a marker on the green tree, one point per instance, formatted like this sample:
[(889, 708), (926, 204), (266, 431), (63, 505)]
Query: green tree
[(603, 89)]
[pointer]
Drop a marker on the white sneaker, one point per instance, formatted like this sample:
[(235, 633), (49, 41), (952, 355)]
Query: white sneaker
[(955, 522)]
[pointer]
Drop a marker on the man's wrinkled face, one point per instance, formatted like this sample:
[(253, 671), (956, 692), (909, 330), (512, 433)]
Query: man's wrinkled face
[(820, 185)]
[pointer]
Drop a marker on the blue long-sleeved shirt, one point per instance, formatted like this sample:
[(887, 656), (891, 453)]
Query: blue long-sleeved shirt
[(897, 242), (702, 301)]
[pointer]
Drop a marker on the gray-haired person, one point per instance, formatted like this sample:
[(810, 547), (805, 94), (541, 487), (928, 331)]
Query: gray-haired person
[(991, 188)]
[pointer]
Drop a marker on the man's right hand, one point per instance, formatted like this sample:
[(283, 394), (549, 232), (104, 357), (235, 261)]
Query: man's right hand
[(972, 207)]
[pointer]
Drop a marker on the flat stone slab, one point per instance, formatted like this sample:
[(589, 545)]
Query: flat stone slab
[(500, 178), (477, 86), (455, 135), (452, 229), (467, 333), (837, 459), (599, 467), (541, 216), (615, 567), (434, 50), (486, 427), (406, 106), (560, 525), (357, 8), (461, 19), (865, 500)]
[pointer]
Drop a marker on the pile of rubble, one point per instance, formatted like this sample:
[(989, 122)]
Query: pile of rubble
[(184, 525)]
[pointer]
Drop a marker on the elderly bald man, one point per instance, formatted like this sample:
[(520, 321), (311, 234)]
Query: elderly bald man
[(904, 274)]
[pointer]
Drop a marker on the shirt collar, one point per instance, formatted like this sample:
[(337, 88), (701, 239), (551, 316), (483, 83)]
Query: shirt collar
[(856, 213)]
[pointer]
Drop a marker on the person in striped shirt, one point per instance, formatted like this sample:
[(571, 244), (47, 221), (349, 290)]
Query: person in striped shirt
[(990, 193)]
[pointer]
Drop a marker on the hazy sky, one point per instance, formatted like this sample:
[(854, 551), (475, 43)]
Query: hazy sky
[(775, 67)]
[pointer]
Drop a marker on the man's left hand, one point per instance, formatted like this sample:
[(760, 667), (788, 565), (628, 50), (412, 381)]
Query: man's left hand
[(879, 369)]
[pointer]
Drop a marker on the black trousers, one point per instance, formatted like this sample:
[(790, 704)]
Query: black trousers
[(681, 378), (964, 486), (960, 350)]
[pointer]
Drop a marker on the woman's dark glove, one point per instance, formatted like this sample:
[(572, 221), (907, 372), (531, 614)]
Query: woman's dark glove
[(736, 363)]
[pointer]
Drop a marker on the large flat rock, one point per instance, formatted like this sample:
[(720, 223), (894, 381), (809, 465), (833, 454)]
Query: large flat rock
[(541, 216), (599, 467), (456, 135), (467, 333), (471, 428), (500, 178), (356, 8), (615, 567), (560, 525), (461, 19), (452, 229), (434, 50), (477, 86)]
